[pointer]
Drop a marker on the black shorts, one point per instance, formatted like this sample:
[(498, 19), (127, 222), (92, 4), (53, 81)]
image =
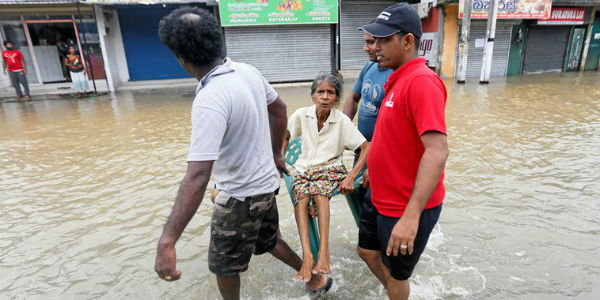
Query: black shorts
[(240, 229), (375, 230)]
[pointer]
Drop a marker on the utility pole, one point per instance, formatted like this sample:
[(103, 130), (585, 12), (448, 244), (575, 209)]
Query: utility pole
[(463, 47), (486, 66)]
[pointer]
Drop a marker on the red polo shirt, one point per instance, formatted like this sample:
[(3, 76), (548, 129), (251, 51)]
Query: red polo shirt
[(414, 103), (13, 59)]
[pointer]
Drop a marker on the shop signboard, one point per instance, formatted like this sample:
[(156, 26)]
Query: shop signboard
[(565, 16), (277, 12), (509, 9), (428, 48)]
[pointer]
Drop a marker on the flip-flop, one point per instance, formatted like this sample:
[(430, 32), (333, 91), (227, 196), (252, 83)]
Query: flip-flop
[(321, 291)]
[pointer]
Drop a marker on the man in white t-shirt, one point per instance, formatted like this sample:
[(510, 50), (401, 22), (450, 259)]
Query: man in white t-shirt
[(238, 125)]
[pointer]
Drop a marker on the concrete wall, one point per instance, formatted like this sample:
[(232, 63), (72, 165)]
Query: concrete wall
[(112, 45), (450, 38)]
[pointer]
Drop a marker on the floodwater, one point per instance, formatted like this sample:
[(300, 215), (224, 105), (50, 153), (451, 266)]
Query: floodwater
[(86, 185)]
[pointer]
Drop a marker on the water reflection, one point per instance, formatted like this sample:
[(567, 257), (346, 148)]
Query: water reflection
[(85, 187)]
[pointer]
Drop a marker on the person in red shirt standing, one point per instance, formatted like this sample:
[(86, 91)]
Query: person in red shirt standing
[(407, 155), (13, 64)]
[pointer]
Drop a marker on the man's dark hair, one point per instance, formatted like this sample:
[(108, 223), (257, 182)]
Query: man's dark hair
[(7, 42), (192, 34)]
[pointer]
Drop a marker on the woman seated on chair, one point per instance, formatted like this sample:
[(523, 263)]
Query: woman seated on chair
[(319, 172)]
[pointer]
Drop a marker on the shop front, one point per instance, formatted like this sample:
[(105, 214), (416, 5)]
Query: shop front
[(286, 41), (555, 44), (510, 13), (44, 33), (500, 54), (353, 15)]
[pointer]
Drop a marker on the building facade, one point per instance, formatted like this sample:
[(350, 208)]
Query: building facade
[(566, 40), (44, 30)]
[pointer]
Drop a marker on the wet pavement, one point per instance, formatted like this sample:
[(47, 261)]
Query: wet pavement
[(86, 186)]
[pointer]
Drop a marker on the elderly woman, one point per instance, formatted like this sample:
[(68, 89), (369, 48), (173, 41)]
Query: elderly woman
[(326, 132)]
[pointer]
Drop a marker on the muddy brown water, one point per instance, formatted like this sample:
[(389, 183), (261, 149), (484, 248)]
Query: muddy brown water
[(86, 185)]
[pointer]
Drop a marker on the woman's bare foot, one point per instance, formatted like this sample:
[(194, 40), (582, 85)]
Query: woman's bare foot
[(304, 274), (322, 266)]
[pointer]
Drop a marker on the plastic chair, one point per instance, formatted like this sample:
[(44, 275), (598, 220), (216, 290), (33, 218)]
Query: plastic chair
[(292, 152)]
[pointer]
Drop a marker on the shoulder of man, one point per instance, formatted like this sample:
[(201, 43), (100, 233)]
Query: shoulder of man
[(427, 80)]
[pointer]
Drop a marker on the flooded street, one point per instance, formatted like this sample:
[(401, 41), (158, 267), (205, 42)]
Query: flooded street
[(86, 186)]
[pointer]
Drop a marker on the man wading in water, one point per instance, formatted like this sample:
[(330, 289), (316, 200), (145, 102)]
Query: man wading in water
[(238, 125), (407, 155)]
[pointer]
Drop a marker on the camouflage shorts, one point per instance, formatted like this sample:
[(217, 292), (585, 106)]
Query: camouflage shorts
[(239, 229)]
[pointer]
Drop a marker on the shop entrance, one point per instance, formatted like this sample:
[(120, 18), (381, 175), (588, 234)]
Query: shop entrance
[(50, 42)]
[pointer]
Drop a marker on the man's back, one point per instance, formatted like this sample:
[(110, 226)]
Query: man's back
[(230, 124)]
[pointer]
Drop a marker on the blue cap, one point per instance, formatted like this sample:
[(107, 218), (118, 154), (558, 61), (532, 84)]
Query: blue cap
[(400, 17)]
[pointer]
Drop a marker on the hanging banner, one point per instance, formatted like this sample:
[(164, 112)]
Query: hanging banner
[(565, 16), (270, 12), (509, 9)]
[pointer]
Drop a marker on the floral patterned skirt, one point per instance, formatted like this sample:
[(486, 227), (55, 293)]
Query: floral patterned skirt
[(324, 181)]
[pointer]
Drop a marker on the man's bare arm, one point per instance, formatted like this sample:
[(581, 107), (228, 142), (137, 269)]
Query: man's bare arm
[(278, 126), (190, 194), (430, 170)]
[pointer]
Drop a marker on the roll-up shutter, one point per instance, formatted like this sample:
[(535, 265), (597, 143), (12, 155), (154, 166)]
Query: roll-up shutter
[(282, 53), (501, 48), (545, 48), (351, 39)]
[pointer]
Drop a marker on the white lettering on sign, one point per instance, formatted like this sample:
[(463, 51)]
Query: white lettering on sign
[(565, 16), (428, 48), (597, 36)]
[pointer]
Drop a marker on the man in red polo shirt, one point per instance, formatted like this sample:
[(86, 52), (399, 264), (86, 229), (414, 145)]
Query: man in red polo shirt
[(14, 62), (407, 155)]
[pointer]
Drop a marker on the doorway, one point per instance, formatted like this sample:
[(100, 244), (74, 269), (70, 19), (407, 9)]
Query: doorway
[(50, 41)]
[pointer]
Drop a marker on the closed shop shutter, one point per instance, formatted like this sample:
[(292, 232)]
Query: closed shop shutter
[(351, 39), (282, 53), (147, 57), (501, 49), (545, 48)]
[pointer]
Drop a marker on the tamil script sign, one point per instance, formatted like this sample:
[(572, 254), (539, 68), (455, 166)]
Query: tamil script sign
[(509, 9), (565, 16), (270, 12)]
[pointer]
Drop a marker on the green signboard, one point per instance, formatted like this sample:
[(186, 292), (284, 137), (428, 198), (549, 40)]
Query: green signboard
[(272, 12)]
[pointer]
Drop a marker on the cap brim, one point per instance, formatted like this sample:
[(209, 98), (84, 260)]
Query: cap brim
[(379, 30)]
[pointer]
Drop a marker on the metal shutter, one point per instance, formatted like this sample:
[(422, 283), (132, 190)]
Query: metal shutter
[(501, 49), (351, 39), (545, 48), (282, 53)]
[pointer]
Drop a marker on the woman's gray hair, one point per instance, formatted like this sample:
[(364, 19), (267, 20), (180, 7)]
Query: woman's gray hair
[(335, 80)]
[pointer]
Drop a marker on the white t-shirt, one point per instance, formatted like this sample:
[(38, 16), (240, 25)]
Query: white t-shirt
[(230, 125), (323, 148)]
